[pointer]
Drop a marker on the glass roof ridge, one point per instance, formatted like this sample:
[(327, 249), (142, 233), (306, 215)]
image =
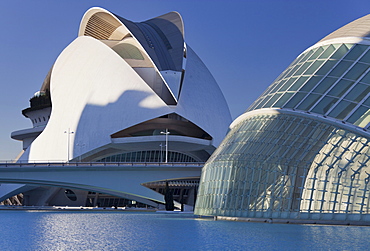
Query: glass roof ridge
[(316, 116)]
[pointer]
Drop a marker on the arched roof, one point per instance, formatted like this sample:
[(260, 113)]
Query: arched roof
[(358, 28), (100, 24), (161, 37)]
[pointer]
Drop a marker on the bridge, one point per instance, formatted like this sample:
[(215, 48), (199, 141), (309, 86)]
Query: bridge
[(117, 179)]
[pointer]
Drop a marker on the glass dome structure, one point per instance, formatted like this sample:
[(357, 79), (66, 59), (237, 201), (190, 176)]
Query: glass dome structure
[(301, 151), (331, 80)]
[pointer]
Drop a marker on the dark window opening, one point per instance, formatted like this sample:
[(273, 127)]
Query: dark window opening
[(70, 194)]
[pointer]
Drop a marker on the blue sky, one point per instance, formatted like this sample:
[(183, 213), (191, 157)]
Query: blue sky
[(245, 44)]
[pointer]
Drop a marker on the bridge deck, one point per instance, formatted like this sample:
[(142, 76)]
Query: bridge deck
[(115, 178)]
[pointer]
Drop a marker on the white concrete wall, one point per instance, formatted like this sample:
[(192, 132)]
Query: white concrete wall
[(201, 100), (95, 93)]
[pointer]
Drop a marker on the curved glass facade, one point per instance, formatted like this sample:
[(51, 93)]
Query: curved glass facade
[(149, 156), (287, 166), (301, 151), (331, 80)]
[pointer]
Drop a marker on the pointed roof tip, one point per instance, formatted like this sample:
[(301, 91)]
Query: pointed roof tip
[(357, 28), (171, 13), (174, 13), (173, 17)]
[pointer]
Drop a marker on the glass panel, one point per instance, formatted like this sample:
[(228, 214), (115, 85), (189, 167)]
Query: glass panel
[(287, 84), (295, 100), (308, 54), (295, 68), (326, 67), (360, 117), (342, 50), (279, 77), (268, 89), (356, 51), (325, 85), (358, 92), (366, 58), (295, 61), (298, 84), (367, 101), (287, 71), (300, 57), (356, 71), (283, 99), (266, 100), (308, 102), (303, 68), (342, 110), (328, 52), (366, 78), (340, 68), (317, 53), (254, 105), (263, 101), (324, 105), (340, 88), (314, 67), (272, 100), (277, 86), (311, 83)]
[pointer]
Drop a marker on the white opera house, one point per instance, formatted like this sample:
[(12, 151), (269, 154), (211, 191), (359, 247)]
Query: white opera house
[(127, 92)]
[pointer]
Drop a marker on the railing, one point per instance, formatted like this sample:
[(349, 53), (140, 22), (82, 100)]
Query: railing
[(174, 183), (97, 164)]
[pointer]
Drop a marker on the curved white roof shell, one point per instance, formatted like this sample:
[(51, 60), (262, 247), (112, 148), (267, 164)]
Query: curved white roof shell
[(357, 28)]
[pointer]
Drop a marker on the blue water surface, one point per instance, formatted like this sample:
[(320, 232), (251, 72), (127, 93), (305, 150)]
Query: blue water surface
[(111, 230)]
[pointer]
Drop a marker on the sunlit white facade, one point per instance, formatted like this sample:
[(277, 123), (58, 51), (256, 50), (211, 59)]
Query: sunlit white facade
[(301, 151), (114, 92)]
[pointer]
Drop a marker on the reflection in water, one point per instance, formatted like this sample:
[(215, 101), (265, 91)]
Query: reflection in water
[(62, 230), (92, 231)]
